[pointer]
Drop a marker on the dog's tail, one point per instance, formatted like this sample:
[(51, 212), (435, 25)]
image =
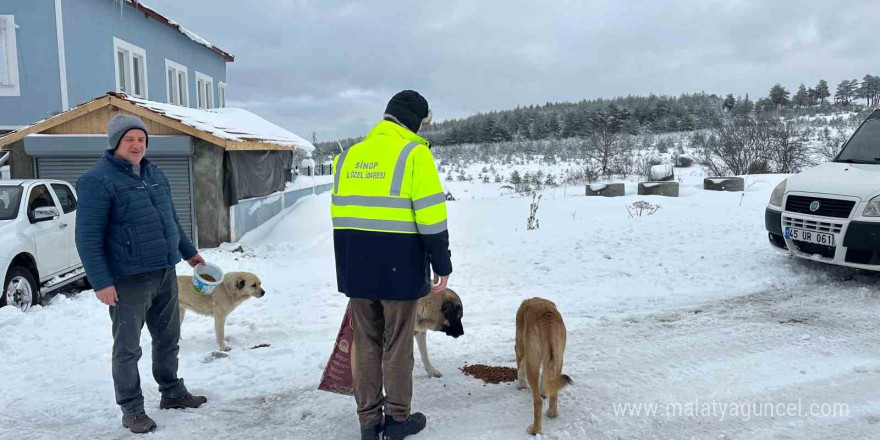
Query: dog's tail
[(552, 383)]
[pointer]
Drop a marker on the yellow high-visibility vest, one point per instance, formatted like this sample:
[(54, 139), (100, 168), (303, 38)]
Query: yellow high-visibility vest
[(388, 183)]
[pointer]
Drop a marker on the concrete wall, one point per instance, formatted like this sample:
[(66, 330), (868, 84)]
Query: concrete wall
[(89, 27), (248, 214), (212, 210), (38, 73), (20, 163)]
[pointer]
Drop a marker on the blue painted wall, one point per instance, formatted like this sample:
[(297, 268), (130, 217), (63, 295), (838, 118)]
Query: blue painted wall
[(89, 28), (37, 47)]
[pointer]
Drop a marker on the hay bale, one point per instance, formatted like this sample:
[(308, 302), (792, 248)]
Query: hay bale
[(606, 189), (668, 189), (724, 184), (662, 173)]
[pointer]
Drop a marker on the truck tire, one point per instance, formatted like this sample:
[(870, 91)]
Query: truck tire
[(19, 289)]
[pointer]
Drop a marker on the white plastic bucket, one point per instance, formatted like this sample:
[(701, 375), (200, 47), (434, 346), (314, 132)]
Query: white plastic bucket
[(206, 287)]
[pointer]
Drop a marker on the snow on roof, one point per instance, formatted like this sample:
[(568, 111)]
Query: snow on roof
[(174, 25), (233, 124)]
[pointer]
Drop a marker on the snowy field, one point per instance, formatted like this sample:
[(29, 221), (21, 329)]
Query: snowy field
[(687, 306)]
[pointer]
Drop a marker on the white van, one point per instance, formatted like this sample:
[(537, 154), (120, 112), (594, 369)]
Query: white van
[(831, 213)]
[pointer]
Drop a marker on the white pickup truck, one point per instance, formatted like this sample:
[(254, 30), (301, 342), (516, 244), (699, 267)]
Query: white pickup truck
[(831, 213), (37, 249)]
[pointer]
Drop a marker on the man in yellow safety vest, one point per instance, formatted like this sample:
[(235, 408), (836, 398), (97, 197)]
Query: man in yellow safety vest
[(389, 231)]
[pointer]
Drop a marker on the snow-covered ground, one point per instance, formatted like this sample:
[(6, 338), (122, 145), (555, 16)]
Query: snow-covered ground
[(689, 305)]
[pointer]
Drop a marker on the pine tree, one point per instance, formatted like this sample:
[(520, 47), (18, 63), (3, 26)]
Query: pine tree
[(812, 97), (744, 107), (489, 131), (729, 102), (553, 126), (800, 99), (869, 89), (874, 88), (570, 126), (822, 91), (515, 178), (779, 96), (845, 91), (854, 88)]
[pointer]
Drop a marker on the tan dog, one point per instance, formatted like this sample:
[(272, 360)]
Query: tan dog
[(234, 290), (540, 346), (440, 312)]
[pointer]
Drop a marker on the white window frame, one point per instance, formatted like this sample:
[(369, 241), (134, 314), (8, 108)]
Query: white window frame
[(174, 94), (221, 94), (204, 100), (130, 52), (7, 33)]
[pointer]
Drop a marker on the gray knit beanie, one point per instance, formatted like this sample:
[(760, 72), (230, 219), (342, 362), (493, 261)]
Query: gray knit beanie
[(121, 124)]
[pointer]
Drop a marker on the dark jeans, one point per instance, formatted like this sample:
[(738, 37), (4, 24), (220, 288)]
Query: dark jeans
[(149, 298)]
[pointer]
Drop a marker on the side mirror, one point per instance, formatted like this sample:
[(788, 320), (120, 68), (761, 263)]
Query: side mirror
[(45, 213)]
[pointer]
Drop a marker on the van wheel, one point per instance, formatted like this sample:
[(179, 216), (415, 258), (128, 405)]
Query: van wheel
[(20, 289)]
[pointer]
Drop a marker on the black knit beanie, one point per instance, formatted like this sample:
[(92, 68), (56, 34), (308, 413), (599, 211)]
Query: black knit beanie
[(409, 108)]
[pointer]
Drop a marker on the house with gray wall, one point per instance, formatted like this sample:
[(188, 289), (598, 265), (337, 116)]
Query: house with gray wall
[(56, 54)]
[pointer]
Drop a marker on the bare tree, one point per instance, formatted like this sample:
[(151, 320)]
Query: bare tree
[(623, 162), (605, 130), (789, 152), (736, 146), (829, 144)]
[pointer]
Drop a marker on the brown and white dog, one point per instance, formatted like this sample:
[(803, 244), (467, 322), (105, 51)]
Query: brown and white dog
[(540, 346), (234, 290), (440, 312)]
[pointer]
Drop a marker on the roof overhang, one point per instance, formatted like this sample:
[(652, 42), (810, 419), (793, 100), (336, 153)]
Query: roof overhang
[(122, 104)]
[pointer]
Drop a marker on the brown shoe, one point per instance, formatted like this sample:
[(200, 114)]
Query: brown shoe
[(138, 423), (185, 401)]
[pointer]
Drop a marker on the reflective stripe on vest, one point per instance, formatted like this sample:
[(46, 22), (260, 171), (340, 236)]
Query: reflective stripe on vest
[(376, 225), (389, 202), (436, 228), (427, 202), (389, 225), (372, 201), (339, 169), (400, 168)]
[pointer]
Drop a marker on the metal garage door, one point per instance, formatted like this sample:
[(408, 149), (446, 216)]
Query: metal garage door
[(66, 157), (177, 168), (178, 171)]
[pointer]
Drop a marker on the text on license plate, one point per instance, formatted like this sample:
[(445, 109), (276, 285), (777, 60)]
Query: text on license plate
[(810, 236)]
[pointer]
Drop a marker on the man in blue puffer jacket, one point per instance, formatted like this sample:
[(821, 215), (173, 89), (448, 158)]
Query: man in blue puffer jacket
[(129, 239)]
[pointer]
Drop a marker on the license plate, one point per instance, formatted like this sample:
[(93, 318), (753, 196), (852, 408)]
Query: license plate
[(810, 236)]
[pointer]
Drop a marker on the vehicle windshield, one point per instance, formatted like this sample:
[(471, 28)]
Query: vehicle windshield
[(864, 146), (10, 197)]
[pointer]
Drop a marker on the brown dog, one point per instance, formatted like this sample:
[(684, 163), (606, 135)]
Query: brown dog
[(540, 346), (234, 290), (440, 312)]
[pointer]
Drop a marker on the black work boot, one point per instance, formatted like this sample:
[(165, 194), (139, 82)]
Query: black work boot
[(372, 433), (395, 430), (138, 423), (185, 401)]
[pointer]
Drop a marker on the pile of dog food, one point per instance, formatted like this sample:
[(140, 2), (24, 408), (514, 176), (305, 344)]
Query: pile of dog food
[(490, 374)]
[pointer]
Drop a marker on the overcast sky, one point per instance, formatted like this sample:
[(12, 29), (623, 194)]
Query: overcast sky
[(330, 66)]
